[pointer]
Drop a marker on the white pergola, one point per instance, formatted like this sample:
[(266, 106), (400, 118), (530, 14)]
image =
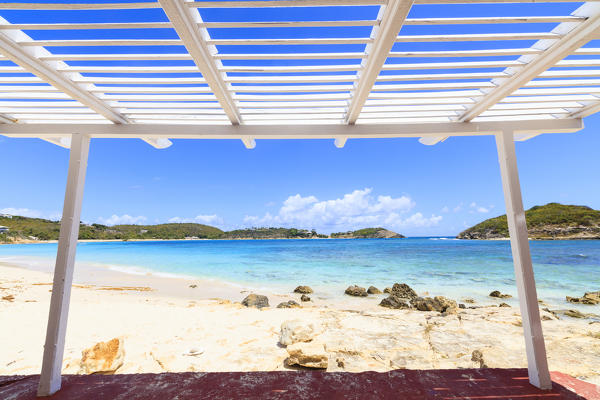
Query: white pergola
[(377, 79)]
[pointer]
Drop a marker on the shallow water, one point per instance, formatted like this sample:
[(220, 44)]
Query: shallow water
[(456, 268)]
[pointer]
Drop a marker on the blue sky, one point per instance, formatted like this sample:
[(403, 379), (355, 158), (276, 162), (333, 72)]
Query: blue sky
[(396, 183), (207, 177)]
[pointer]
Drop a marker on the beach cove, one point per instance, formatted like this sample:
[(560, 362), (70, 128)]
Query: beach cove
[(188, 321)]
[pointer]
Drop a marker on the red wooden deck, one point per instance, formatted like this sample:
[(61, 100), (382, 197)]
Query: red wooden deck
[(398, 384)]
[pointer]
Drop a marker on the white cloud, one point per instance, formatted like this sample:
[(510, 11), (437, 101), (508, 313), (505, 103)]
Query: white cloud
[(482, 210), (357, 209), (199, 219), (27, 212), (458, 208), (122, 220), (445, 209)]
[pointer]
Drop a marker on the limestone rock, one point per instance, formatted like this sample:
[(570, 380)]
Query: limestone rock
[(288, 304), (103, 358), (356, 291), (294, 331), (591, 298), (438, 303), (387, 290), (304, 298), (461, 305), (503, 305), (393, 301), (256, 300), (310, 355), (404, 291), (303, 290), (497, 294), (373, 290)]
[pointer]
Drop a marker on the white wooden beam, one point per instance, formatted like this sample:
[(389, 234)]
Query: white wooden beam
[(29, 59), (576, 34), (50, 378), (249, 142), (537, 362), (340, 142), (287, 131), (185, 21), (62, 141), (158, 143), (392, 18)]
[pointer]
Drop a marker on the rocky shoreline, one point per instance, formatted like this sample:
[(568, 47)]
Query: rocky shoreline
[(140, 328)]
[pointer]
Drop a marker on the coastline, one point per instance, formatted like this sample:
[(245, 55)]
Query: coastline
[(160, 327)]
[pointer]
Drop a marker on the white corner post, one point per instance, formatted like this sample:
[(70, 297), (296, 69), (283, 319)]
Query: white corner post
[(537, 363), (50, 379)]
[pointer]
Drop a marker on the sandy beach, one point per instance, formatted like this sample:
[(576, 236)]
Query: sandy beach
[(166, 325)]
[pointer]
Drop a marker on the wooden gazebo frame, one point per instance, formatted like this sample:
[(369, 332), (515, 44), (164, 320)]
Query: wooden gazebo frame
[(192, 89)]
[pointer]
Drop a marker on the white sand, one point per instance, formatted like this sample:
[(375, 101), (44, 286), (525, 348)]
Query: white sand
[(161, 325)]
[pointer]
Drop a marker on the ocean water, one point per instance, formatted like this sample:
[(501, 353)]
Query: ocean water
[(438, 266)]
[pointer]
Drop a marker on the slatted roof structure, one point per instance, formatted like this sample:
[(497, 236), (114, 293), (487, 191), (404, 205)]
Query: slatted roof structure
[(296, 69)]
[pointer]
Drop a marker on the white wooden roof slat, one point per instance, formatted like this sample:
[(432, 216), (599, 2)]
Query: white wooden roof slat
[(392, 17)]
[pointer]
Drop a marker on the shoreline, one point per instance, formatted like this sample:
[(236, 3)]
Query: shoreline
[(160, 329)]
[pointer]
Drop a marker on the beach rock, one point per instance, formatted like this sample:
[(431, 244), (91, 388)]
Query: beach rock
[(497, 294), (294, 331), (572, 313), (103, 358), (461, 305), (356, 291), (477, 356), (438, 303), (393, 301), (304, 298), (310, 355), (373, 290), (404, 291), (256, 300), (469, 300), (288, 304), (503, 305), (9, 297), (590, 298), (387, 290), (303, 290), (193, 286)]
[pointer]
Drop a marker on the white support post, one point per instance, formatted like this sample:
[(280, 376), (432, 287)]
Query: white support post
[(537, 363), (50, 379)]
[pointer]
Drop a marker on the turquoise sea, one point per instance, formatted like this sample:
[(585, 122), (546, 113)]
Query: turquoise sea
[(445, 266)]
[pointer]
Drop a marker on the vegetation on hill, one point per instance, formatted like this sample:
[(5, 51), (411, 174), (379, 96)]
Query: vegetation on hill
[(36, 229), (367, 233), (552, 221), (272, 233), (24, 228)]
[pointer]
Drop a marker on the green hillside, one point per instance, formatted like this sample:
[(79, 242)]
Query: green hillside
[(24, 228), (271, 233), (552, 221), (367, 233)]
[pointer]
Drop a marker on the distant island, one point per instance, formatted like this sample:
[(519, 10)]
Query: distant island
[(552, 221), (368, 233), (18, 229)]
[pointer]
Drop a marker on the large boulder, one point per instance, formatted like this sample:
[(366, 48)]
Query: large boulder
[(310, 355), (304, 298), (356, 291), (303, 290), (591, 298), (373, 290), (103, 358), (438, 303), (256, 300), (294, 331), (393, 301), (288, 304), (497, 294), (404, 291)]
